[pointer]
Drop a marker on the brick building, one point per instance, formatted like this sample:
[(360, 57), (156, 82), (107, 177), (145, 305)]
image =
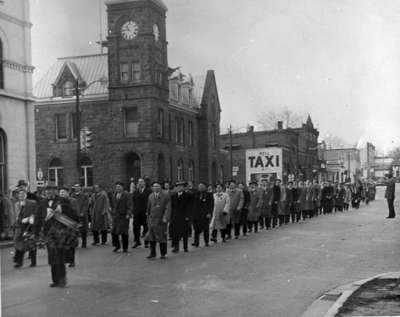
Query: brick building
[(299, 149), (148, 120), (17, 135)]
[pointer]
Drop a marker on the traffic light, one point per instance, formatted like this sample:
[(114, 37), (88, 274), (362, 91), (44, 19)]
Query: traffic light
[(86, 139)]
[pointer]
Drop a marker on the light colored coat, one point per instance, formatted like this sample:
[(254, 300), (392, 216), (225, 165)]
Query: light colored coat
[(220, 216), (236, 200), (158, 215)]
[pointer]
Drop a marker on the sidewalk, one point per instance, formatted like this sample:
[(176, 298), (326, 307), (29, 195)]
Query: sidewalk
[(377, 296)]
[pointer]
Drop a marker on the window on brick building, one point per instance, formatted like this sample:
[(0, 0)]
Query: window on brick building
[(1, 65), (191, 171), (160, 123), (124, 72), (61, 126), (191, 133), (214, 136), (179, 170), (3, 162), (179, 131), (68, 89), (132, 122), (73, 125), (169, 126), (56, 172), (136, 72), (86, 172)]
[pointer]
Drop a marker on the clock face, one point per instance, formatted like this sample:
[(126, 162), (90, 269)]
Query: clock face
[(129, 30), (156, 32)]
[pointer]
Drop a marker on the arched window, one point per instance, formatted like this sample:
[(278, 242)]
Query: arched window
[(214, 172), (1, 65), (191, 171), (179, 170), (134, 167), (68, 89), (161, 167), (86, 172), (3, 162), (56, 172)]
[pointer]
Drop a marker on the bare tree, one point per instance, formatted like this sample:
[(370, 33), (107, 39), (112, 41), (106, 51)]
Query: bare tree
[(269, 119), (395, 153)]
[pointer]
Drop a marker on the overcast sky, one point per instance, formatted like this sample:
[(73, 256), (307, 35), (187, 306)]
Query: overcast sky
[(338, 60)]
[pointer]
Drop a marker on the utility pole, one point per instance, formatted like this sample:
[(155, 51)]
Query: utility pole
[(78, 128), (230, 151)]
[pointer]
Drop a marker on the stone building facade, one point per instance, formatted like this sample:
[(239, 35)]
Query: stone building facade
[(299, 149), (148, 120), (17, 146)]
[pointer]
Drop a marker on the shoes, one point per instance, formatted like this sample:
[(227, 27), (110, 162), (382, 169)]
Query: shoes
[(17, 265), (224, 240), (163, 257), (62, 283), (53, 285), (195, 245), (185, 250), (95, 243), (146, 245), (32, 265), (175, 250), (150, 257), (236, 237), (125, 251), (71, 265), (207, 245), (83, 246), (116, 249), (390, 217), (136, 245), (213, 240)]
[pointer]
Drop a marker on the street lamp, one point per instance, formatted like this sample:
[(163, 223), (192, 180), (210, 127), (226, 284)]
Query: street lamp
[(80, 87)]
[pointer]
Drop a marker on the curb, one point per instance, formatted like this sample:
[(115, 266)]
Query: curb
[(323, 306)]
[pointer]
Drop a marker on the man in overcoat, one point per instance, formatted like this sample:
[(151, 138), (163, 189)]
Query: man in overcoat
[(99, 215), (203, 206), (236, 199), (60, 231), (390, 196), (275, 199), (140, 197), (158, 215), (121, 212), (181, 213), (82, 201), (25, 229)]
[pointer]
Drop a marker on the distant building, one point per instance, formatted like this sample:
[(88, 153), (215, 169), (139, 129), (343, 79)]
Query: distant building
[(382, 166), (342, 165), (367, 158), (298, 148), (148, 121), (17, 134)]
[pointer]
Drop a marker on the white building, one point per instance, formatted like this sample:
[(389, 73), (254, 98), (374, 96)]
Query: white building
[(17, 145)]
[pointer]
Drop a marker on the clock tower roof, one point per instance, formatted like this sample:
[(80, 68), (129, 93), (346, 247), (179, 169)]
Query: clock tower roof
[(159, 3)]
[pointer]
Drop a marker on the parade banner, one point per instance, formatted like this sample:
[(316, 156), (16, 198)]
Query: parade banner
[(264, 163)]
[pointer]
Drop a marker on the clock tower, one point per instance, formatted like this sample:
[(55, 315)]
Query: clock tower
[(137, 50)]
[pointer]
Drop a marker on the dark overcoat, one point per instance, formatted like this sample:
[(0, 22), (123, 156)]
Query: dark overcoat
[(266, 205), (60, 239), (276, 197), (82, 205), (100, 211), (120, 212), (236, 200), (25, 231), (139, 198), (203, 206), (181, 213), (255, 205)]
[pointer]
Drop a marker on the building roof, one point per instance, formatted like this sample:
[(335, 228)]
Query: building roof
[(88, 67), (91, 68)]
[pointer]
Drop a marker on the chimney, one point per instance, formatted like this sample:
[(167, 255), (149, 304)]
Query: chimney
[(280, 125)]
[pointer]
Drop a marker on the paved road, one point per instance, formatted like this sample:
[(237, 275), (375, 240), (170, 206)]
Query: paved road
[(275, 273)]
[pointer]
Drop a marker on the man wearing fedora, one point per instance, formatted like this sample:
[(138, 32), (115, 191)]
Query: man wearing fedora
[(181, 214), (390, 195), (24, 185), (60, 233), (82, 201)]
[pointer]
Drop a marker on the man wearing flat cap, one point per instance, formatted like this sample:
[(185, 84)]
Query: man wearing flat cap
[(82, 201), (390, 195), (181, 214)]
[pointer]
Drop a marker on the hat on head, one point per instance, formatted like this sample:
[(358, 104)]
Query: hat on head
[(21, 182), (77, 186), (63, 188), (253, 182), (119, 183)]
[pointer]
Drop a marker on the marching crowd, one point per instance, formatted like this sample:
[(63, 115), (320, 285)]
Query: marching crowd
[(58, 218)]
